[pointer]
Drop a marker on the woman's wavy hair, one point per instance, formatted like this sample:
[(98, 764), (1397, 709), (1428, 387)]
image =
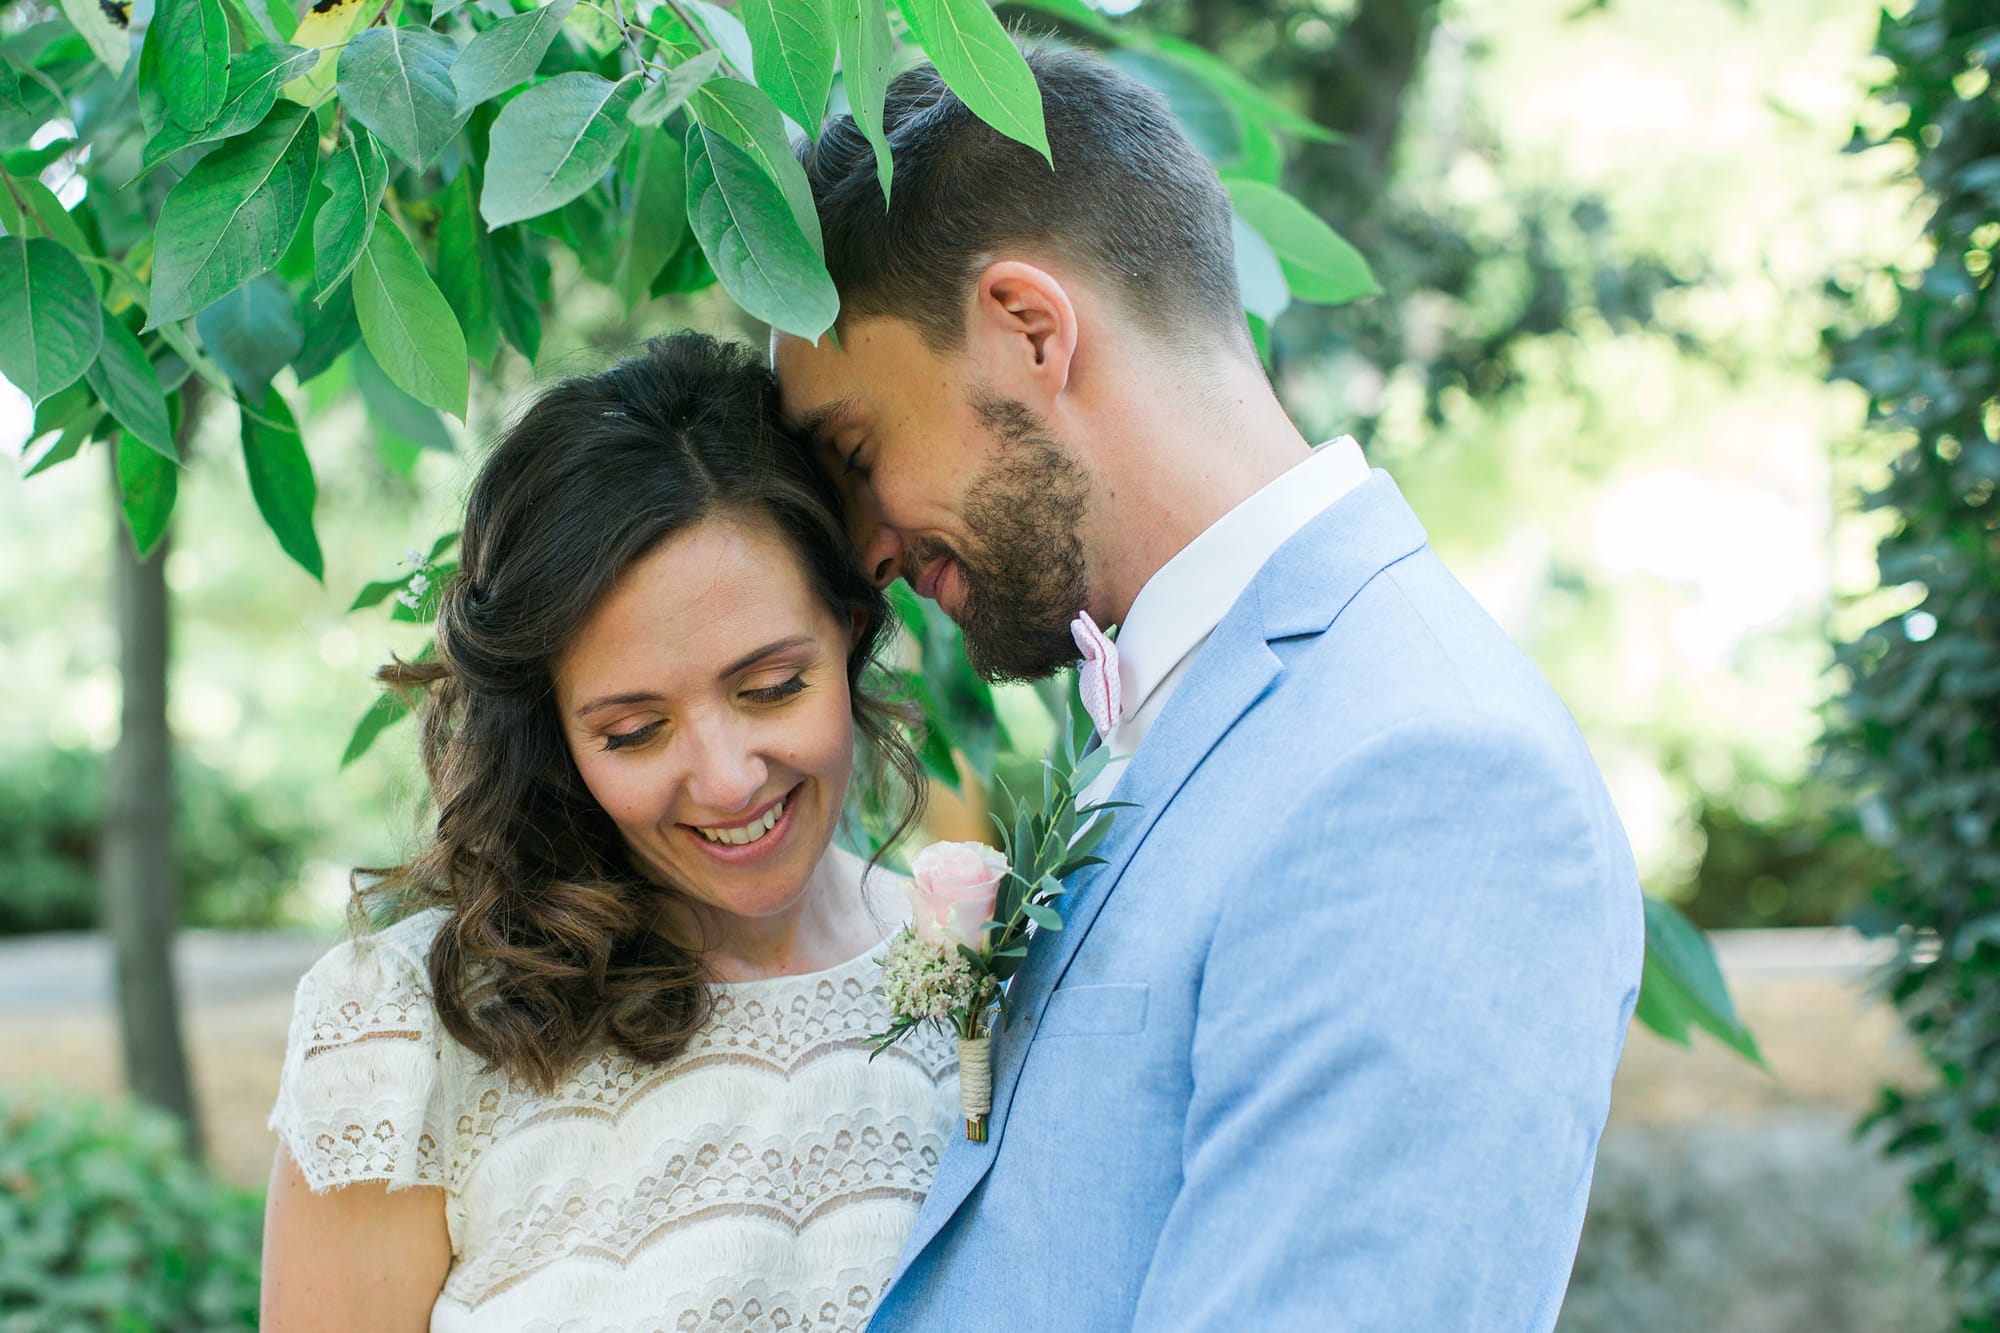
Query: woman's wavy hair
[(549, 949)]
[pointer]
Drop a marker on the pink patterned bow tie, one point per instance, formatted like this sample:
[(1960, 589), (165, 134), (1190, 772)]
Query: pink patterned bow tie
[(1097, 676)]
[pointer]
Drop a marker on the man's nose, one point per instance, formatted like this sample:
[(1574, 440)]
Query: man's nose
[(879, 546)]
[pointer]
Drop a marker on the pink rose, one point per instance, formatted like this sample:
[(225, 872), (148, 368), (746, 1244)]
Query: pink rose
[(953, 887)]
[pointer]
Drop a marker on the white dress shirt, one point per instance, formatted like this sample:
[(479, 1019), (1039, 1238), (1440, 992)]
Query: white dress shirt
[(1187, 597)]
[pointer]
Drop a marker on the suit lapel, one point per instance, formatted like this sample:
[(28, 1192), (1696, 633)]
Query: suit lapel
[(1300, 591)]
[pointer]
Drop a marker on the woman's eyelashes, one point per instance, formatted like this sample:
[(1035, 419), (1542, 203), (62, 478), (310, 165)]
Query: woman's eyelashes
[(765, 695), (773, 694), (618, 740)]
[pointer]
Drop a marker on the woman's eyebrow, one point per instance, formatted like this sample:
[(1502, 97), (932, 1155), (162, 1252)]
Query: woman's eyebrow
[(613, 700), (749, 660)]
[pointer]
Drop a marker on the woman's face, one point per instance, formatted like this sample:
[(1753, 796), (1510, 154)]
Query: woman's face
[(706, 703)]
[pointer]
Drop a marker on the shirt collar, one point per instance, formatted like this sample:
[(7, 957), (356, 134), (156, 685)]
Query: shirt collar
[(1188, 596)]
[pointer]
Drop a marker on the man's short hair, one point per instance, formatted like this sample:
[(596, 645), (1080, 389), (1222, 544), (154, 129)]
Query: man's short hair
[(1131, 201)]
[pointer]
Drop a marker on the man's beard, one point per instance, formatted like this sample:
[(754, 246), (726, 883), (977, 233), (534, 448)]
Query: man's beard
[(1023, 571)]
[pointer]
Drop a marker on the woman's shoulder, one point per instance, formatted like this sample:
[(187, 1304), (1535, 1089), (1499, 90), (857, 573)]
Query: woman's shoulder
[(368, 987), (393, 954), (366, 1087)]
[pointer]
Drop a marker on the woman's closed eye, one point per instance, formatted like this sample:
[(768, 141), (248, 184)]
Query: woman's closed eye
[(618, 740), (775, 694)]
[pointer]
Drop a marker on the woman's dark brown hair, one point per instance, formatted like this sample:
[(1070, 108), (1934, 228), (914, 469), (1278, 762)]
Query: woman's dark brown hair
[(549, 949)]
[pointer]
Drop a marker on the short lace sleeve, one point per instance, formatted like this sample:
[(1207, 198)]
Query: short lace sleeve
[(364, 1094)]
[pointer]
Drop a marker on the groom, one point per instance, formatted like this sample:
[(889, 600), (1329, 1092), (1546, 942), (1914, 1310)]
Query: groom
[(1327, 1044)]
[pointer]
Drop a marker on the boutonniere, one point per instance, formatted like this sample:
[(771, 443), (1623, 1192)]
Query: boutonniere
[(976, 911)]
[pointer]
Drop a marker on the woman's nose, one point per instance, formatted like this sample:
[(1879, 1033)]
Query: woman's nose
[(726, 773)]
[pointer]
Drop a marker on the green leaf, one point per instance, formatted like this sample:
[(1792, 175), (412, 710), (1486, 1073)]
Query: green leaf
[(1683, 986), (1259, 277), (326, 25), (552, 143), (330, 330), (655, 212), (76, 433), (686, 272), (465, 267), (234, 215), (407, 323), (12, 103), (747, 116), (1260, 158), (125, 382), (514, 291), (507, 54), (665, 97), (49, 309), (1260, 337), (1074, 12), (792, 44), (1319, 266), (979, 61), (867, 56), (281, 478), (394, 414), (106, 29), (356, 176), (46, 217), (397, 81), (1205, 115), (934, 732), (254, 79), (194, 60), (1045, 917), (727, 32), (147, 485), (1248, 98), (390, 706), (253, 333), (753, 241)]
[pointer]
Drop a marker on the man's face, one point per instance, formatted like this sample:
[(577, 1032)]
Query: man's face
[(954, 486)]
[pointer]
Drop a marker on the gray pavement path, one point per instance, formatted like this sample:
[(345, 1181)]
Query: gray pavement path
[(72, 970)]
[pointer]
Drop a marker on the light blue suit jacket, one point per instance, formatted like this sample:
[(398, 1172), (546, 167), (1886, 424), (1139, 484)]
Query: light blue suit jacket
[(1327, 1044)]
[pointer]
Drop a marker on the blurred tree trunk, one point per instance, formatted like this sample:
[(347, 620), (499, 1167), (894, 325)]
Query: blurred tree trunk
[(136, 888), (1360, 84)]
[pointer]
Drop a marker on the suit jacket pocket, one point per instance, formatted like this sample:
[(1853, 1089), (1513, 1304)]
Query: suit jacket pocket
[(1094, 1011)]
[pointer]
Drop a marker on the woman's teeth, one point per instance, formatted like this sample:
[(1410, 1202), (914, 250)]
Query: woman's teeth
[(748, 833)]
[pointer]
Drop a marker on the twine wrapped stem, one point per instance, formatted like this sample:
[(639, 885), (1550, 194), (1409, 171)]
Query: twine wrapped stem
[(975, 1084)]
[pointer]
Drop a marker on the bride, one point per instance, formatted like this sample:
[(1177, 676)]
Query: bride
[(609, 1071)]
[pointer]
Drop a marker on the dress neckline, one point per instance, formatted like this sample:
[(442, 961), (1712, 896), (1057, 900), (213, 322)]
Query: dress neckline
[(867, 955)]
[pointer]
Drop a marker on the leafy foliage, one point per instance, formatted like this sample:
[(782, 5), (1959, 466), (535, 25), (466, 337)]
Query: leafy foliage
[(237, 854), (263, 192), (106, 1223), (1918, 737)]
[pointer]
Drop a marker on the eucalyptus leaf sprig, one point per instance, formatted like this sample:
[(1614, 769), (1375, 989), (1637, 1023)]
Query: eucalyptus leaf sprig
[(976, 915)]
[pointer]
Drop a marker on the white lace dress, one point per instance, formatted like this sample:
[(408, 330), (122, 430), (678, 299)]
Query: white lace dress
[(763, 1180)]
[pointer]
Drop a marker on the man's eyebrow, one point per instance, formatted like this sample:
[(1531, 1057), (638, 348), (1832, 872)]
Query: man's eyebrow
[(813, 425), (742, 663)]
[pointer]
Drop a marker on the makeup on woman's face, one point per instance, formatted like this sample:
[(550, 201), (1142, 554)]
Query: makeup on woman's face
[(705, 701)]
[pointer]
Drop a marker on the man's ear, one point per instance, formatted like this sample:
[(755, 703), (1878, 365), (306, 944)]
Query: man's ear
[(1024, 325)]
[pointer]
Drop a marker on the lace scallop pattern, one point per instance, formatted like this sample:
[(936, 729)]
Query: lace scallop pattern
[(763, 1180)]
